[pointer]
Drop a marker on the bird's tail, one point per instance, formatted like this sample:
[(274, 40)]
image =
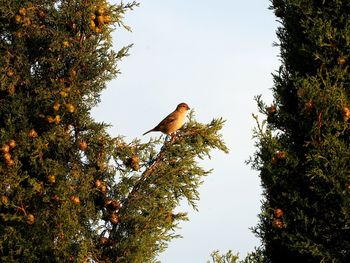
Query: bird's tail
[(148, 131)]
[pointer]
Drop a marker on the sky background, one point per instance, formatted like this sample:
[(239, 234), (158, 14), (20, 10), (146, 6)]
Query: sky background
[(215, 56)]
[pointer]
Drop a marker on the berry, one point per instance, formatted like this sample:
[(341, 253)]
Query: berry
[(278, 212), (30, 219), (12, 143)]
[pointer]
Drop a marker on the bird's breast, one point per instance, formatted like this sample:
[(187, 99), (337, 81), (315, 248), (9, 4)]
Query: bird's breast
[(177, 123)]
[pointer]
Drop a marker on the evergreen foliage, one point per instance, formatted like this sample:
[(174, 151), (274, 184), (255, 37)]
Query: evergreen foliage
[(69, 191), (303, 145), (252, 257), (216, 257)]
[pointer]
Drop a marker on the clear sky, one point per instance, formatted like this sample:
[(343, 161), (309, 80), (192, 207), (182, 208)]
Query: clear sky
[(215, 56)]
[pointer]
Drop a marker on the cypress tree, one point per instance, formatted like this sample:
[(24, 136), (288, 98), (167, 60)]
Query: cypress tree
[(69, 192), (303, 146)]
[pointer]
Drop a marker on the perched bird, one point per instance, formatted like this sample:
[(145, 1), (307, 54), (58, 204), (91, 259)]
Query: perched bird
[(173, 121)]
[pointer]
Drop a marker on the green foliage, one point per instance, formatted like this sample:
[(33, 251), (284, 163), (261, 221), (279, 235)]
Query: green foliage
[(151, 185), (303, 145), (69, 191), (53, 67), (253, 257), (225, 258)]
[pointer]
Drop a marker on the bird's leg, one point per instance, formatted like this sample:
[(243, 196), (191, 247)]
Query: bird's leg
[(173, 137)]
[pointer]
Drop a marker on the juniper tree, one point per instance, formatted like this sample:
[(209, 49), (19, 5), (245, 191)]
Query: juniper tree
[(303, 145), (69, 191)]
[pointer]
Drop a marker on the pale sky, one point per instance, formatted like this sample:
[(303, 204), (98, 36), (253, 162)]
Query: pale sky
[(215, 56)]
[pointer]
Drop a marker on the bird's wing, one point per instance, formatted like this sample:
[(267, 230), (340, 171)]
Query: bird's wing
[(167, 120)]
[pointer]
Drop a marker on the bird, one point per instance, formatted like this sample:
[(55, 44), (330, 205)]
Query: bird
[(173, 121)]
